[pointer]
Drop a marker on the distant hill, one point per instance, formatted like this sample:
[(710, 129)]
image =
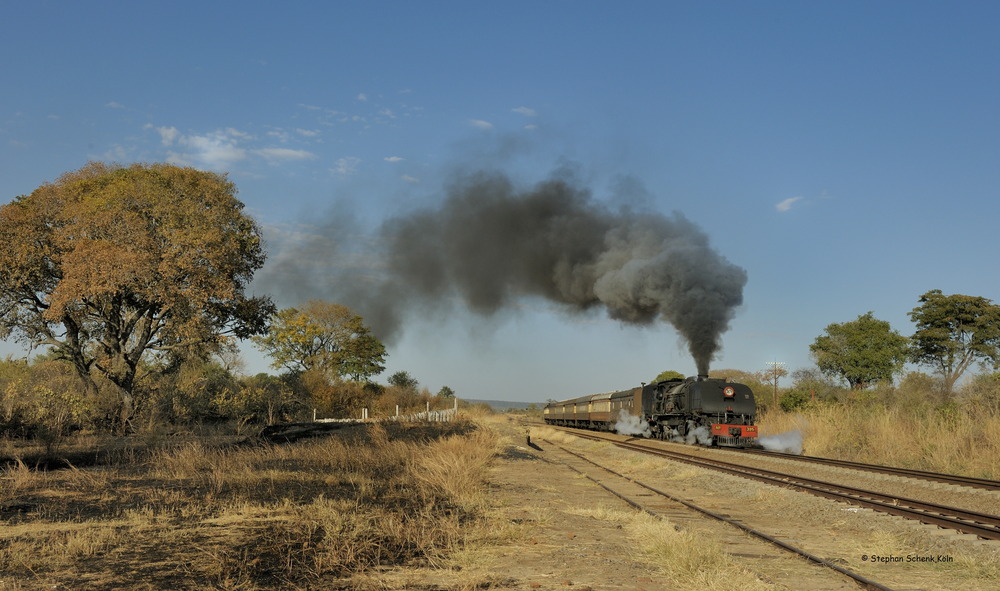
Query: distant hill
[(502, 405)]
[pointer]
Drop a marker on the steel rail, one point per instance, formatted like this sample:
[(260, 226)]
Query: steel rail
[(860, 579), (920, 474), (980, 524), (954, 479)]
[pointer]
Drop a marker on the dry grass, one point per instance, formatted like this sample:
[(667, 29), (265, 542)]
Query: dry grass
[(688, 556), (971, 568), (197, 516), (688, 559), (951, 442), (454, 468), (553, 435)]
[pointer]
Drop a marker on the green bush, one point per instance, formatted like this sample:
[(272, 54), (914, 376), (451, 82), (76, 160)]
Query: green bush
[(793, 399)]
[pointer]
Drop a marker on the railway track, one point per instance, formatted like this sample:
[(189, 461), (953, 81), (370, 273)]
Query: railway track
[(982, 525), (953, 479), (918, 474), (640, 501)]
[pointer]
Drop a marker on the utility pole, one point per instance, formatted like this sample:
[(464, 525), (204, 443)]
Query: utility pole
[(777, 370)]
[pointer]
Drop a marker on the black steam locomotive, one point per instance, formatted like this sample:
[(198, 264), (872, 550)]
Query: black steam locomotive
[(704, 410)]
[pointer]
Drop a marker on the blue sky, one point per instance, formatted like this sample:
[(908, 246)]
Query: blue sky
[(845, 154)]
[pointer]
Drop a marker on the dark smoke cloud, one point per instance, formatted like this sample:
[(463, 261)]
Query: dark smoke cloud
[(490, 244)]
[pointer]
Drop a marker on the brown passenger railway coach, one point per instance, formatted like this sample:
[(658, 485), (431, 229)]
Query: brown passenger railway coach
[(704, 410)]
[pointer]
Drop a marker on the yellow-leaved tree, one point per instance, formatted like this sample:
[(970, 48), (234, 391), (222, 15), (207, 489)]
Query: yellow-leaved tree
[(120, 267), (325, 337)]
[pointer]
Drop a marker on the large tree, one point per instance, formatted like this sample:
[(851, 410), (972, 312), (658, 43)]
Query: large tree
[(403, 379), (862, 352), (323, 336), (667, 374), (110, 266), (953, 332)]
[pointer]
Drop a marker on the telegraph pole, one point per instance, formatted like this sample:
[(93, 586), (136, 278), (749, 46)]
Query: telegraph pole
[(776, 370)]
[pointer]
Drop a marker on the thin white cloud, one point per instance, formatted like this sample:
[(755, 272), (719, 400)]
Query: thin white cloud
[(393, 159), (307, 132), (232, 132), (217, 150), (531, 126), (284, 154), (787, 203), (346, 166), (114, 105), (410, 179), (168, 134), (115, 154), (362, 97), (526, 111), (480, 124), (223, 148)]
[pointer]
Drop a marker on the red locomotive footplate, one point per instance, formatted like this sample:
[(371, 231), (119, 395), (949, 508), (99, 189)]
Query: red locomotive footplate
[(730, 430)]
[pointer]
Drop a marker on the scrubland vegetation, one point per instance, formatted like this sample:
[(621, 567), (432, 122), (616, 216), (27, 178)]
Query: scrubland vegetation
[(193, 515), (45, 411), (915, 424)]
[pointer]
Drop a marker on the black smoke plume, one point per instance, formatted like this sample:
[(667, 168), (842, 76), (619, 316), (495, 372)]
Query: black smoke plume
[(490, 244)]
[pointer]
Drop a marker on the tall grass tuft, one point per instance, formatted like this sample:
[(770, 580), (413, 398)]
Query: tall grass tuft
[(451, 470), (940, 439)]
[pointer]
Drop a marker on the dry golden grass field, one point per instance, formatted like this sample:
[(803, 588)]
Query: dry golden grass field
[(952, 443), (192, 516), (424, 507)]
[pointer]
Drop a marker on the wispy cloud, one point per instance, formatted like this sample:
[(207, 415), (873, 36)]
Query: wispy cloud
[(393, 159), (114, 105), (480, 124), (527, 112), (284, 154), (167, 134), (220, 149), (280, 134), (410, 179), (216, 150), (117, 153), (345, 166), (787, 203)]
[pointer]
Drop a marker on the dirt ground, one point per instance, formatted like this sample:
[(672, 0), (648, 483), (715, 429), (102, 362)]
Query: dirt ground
[(560, 547), (545, 526), (553, 547)]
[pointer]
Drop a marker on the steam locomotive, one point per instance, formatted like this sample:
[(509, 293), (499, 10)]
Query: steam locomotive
[(709, 411)]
